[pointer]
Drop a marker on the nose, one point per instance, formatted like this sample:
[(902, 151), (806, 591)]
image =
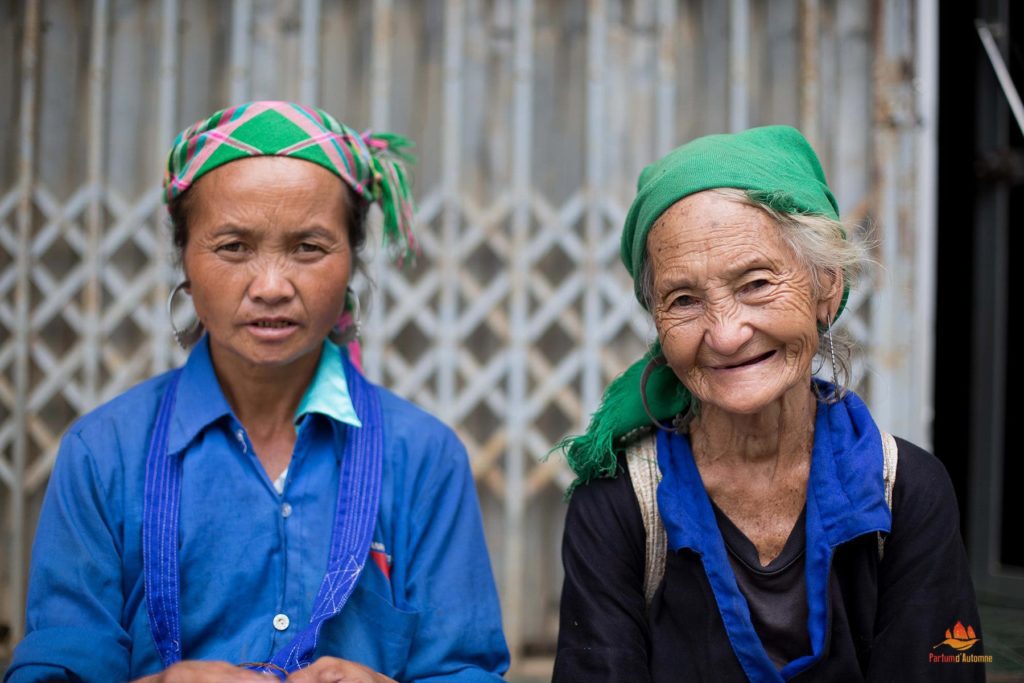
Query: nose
[(727, 331), (270, 284)]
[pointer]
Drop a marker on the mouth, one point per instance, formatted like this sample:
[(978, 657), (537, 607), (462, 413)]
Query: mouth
[(272, 323), (272, 329), (751, 361)]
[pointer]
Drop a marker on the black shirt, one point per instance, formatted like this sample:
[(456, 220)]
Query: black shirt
[(884, 616), (776, 594)]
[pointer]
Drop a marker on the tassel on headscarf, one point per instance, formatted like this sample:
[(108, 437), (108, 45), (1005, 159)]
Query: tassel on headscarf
[(387, 156)]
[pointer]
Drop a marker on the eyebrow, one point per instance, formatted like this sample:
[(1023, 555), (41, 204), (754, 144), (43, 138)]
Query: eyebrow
[(230, 229)]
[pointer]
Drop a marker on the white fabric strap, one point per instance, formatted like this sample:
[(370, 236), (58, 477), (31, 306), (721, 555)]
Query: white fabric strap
[(890, 458), (642, 461)]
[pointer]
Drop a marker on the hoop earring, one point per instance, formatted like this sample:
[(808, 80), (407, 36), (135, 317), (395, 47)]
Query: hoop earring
[(189, 335), (355, 311), (655, 363)]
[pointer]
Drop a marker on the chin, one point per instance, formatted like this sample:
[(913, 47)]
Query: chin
[(270, 356), (741, 401), (743, 407)]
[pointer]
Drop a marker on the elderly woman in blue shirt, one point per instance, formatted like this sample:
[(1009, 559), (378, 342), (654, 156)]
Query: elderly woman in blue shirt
[(264, 510)]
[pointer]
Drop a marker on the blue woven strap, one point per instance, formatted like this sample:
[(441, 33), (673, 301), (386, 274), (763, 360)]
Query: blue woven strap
[(359, 484), (160, 502)]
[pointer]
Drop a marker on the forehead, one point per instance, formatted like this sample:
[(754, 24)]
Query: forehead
[(707, 231), (260, 175), (263, 183)]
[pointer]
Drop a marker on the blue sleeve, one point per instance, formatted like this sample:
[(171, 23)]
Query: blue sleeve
[(449, 578), (75, 596)]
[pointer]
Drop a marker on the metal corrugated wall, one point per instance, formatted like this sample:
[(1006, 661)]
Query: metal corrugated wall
[(532, 118)]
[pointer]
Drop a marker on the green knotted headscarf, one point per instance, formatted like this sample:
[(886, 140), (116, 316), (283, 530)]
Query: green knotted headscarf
[(777, 167)]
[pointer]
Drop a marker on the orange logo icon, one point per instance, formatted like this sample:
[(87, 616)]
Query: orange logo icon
[(960, 639)]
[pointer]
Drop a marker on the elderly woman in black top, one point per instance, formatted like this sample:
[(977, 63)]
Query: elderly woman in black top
[(765, 535)]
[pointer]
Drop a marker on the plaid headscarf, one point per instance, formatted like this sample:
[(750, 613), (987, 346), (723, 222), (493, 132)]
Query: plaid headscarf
[(371, 164), (775, 165)]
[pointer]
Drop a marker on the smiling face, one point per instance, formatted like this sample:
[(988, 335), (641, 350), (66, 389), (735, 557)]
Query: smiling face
[(268, 259), (732, 304)]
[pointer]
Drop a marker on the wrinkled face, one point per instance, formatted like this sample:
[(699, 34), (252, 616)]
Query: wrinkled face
[(732, 304), (268, 258)]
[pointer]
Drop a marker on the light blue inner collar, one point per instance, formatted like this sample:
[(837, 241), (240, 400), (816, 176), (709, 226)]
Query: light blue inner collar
[(328, 393)]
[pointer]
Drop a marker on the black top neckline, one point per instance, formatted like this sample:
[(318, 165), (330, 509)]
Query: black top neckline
[(743, 549)]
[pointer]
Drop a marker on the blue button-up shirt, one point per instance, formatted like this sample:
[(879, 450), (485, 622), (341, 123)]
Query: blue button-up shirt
[(252, 559)]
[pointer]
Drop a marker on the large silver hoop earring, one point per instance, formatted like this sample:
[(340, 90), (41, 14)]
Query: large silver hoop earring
[(190, 335), (357, 321), (349, 325), (680, 423)]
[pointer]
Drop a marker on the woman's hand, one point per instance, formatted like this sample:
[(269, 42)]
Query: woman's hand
[(334, 670), (207, 672)]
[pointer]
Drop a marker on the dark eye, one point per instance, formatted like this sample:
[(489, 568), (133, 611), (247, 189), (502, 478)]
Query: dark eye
[(683, 301), (232, 247), (309, 250), (755, 285)]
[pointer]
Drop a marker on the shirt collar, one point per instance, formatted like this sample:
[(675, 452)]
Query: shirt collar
[(328, 393), (201, 402)]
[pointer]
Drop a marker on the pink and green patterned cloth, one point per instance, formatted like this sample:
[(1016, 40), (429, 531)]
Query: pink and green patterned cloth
[(370, 163)]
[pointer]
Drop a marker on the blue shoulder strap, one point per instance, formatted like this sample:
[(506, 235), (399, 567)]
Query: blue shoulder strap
[(160, 501), (359, 484)]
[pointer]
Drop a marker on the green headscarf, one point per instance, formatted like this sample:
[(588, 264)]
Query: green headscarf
[(776, 166), (372, 164)]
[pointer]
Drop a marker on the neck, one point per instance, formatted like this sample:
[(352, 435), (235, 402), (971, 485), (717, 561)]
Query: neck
[(783, 430), (264, 398)]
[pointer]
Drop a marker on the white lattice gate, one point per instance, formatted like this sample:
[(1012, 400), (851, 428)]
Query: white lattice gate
[(532, 121)]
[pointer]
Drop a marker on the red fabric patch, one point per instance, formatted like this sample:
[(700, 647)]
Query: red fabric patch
[(381, 560)]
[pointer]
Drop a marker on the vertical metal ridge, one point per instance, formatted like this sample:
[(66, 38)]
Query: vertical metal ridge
[(643, 57), (161, 335), (241, 52), (925, 37), (447, 356), (593, 379), (666, 100), (380, 64), (309, 54), (93, 289), (26, 172), (739, 64), (380, 93), (519, 314), (882, 300), (893, 382), (810, 88)]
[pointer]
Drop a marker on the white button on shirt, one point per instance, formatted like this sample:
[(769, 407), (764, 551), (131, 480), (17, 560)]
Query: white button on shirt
[(286, 510), (281, 622)]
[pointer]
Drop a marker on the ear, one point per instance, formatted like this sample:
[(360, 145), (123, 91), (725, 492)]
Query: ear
[(831, 296)]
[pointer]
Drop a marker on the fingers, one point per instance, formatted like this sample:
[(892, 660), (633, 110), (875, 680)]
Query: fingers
[(334, 670), (207, 672)]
